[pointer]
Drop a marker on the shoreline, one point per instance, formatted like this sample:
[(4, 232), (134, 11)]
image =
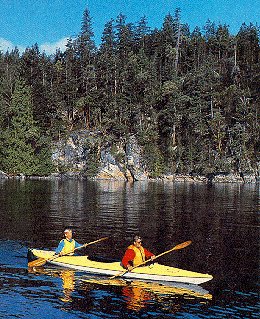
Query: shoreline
[(212, 178)]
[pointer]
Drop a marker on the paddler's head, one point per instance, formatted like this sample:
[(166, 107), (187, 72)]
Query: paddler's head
[(68, 233), (137, 241)]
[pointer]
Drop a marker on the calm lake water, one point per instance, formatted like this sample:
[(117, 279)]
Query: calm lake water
[(221, 220)]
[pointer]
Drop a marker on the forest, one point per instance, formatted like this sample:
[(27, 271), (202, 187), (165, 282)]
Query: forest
[(190, 97)]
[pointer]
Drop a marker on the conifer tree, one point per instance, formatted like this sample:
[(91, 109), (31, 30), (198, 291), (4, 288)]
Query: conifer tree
[(191, 98), (21, 140), (107, 71), (87, 72)]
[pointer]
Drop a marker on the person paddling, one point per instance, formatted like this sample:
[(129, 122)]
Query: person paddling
[(68, 244), (136, 254)]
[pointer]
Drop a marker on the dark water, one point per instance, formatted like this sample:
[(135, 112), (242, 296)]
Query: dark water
[(221, 220)]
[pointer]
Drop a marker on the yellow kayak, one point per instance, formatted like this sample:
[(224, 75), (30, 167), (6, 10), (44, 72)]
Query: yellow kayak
[(153, 272)]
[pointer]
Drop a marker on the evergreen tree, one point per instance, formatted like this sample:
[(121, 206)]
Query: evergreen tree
[(71, 78), (142, 32), (21, 140), (191, 98), (87, 71), (10, 63), (107, 76)]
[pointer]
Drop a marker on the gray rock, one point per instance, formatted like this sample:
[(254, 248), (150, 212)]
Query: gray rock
[(3, 175), (121, 161)]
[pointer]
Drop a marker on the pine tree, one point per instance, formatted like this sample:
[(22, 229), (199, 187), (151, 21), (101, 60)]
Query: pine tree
[(21, 140), (10, 64), (142, 32), (107, 75), (87, 71)]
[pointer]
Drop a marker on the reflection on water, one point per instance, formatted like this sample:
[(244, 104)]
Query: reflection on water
[(221, 220), (137, 294), (67, 276), (136, 297), (68, 284)]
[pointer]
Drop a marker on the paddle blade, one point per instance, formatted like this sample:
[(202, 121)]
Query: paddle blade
[(182, 245), (37, 263), (119, 275)]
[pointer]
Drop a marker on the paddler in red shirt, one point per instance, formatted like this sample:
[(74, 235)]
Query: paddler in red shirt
[(136, 254)]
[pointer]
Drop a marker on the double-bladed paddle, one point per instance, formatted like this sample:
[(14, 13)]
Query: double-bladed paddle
[(42, 261), (179, 246)]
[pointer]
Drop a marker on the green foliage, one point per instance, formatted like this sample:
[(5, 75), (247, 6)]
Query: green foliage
[(152, 155), (118, 154), (92, 166), (154, 160), (21, 147), (191, 97)]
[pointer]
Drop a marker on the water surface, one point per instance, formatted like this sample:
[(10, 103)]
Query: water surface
[(221, 220)]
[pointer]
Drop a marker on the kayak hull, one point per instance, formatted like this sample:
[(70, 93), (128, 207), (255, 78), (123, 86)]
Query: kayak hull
[(153, 272), (135, 275)]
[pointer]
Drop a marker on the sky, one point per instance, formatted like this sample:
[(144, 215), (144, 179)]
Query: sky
[(49, 23)]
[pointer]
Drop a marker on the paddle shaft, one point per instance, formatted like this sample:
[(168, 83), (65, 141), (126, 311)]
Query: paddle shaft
[(42, 261), (179, 246), (80, 247)]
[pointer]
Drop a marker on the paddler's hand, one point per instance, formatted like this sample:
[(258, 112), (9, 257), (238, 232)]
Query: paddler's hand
[(129, 268), (152, 258), (58, 254)]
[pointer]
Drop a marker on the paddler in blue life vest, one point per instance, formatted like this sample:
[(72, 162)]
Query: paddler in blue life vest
[(68, 244), (136, 254)]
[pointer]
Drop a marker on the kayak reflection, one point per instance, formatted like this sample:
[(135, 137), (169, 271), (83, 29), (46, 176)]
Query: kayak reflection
[(68, 284), (67, 276), (136, 293)]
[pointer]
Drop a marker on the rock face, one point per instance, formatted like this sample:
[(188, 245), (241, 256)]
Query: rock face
[(71, 154), (134, 160), (121, 162), (109, 167), (87, 154), (3, 175)]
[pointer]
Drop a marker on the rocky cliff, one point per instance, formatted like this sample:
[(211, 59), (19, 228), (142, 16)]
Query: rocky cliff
[(87, 154)]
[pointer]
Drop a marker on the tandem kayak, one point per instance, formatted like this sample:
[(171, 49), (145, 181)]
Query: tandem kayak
[(153, 272)]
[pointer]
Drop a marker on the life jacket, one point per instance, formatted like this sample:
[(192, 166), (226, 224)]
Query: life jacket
[(139, 255), (68, 246)]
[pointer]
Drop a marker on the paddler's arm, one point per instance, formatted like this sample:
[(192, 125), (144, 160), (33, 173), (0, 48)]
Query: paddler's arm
[(60, 247), (148, 254), (77, 244), (128, 259)]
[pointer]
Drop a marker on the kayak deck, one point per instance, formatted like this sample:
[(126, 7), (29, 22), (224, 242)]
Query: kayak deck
[(156, 271)]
